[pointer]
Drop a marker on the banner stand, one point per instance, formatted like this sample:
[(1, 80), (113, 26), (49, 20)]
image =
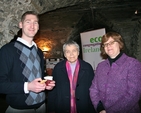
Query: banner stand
[(90, 42)]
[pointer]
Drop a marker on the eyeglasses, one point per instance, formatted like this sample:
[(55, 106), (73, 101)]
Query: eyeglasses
[(108, 44)]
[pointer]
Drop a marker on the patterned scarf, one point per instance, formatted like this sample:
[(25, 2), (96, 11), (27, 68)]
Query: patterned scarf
[(73, 81)]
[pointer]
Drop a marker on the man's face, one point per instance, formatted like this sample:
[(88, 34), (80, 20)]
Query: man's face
[(29, 26)]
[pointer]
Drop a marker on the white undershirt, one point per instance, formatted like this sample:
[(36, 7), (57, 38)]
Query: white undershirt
[(72, 65)]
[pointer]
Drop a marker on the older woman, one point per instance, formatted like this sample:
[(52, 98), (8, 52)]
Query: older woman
[(73, 79), (116, 87)]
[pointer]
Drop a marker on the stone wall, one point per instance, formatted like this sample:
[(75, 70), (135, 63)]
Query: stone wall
[(11, 11), (129, 30)]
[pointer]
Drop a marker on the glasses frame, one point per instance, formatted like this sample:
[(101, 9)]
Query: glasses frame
[(108, 44)]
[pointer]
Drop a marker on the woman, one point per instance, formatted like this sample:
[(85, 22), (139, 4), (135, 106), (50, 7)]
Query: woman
[(73, 78), (116, 87)]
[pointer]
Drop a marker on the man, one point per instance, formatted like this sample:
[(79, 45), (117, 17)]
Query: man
[(22, 70)]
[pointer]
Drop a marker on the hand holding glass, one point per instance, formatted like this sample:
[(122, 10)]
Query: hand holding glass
[(49, 79)]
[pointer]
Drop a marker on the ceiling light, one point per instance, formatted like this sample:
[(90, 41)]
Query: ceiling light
[(136, 12)]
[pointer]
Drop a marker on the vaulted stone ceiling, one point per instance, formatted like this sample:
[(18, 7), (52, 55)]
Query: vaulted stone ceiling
[(114, 15), (66, 19)]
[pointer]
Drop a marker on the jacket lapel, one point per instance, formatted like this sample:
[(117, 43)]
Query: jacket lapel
[(81, 72)]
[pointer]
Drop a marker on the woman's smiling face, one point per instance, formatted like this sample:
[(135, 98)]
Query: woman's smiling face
[(112, 48)]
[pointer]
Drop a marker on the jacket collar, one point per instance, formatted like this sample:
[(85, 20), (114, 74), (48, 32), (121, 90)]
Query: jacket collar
[(120, 60)]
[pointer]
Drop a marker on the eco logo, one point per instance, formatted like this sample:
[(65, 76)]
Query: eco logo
[(92, 47), (96, 39)]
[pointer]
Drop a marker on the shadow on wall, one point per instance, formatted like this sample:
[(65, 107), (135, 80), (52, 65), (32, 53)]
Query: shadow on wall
[(19, 34)]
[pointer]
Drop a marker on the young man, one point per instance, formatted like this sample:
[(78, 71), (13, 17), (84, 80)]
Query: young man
[(22, 69)]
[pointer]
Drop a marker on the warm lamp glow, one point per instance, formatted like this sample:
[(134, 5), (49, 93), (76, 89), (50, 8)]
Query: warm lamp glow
[(45, 48), (44, 44)]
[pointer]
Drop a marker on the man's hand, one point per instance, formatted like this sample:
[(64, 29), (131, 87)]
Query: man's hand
[(36, 86), (50, 85)]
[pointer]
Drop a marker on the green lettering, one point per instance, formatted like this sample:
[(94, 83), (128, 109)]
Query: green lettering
[(90, 50), (96, 39)]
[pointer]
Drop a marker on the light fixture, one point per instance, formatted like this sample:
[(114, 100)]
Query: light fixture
[(45, 48), (136, 12)]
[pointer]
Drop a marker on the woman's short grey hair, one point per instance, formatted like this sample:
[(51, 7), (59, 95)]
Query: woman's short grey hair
[(70, 42)]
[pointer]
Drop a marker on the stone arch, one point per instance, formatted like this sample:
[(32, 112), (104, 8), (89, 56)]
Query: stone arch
[(136, 41), (11, 12)]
